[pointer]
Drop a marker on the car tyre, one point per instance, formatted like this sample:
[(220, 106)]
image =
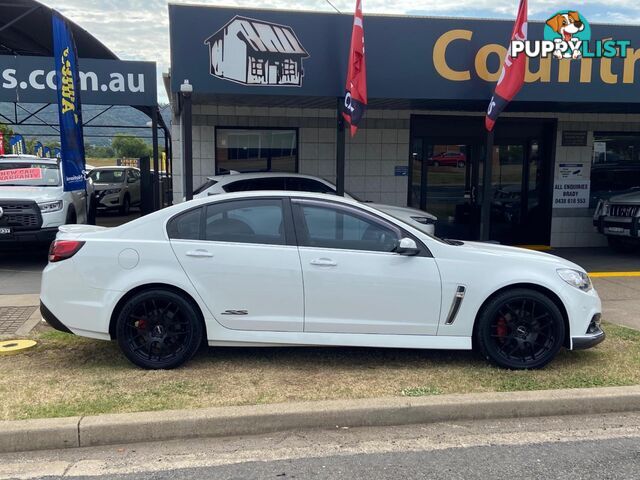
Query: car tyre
[(72, 218), (436, 164), (520, 329), (92, 210), (460, 164), (622, 245), (159, 329), (126, 205)]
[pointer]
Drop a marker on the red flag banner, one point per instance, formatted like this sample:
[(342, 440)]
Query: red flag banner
[(355, 97), (512, 75)]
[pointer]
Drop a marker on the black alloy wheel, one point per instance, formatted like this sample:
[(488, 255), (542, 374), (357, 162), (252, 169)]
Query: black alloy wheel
[(520, 329), (159, 329)]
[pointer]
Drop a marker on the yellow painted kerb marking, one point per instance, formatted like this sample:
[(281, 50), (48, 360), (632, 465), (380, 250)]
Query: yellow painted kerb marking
[(613, 274), (539, 248)]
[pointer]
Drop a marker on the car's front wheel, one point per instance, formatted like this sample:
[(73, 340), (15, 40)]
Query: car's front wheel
[(159, 329), (520, 329)]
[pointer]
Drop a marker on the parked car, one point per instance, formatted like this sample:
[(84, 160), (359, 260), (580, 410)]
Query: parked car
[(619, 219), (117, 187), (448, 159), (244, 182), (33, 203), (294, 268)]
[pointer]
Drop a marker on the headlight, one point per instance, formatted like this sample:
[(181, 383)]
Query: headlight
[(48, 207), (576, 278), (424, 220), (112, 191), (602, 208)]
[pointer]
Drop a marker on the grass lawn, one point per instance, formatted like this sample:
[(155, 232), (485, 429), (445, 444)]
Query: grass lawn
[(66, 375)]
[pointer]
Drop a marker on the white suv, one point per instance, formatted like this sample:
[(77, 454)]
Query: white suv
[(244, 182), (33, 203)]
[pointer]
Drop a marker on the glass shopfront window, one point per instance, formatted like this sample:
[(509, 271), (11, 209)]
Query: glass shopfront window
[(616, 165), (256, 150)]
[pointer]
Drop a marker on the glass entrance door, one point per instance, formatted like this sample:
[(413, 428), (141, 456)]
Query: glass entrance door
[(444, 180), (518, 186)]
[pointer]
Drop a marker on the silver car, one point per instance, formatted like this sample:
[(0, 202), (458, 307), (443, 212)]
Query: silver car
[(619, 219), (242, 182), (116, 187)]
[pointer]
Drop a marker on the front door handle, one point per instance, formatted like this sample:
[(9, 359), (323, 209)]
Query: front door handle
[(324, 262), (199, 254)]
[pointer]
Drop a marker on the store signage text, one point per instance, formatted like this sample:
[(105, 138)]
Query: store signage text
[(543, 74)]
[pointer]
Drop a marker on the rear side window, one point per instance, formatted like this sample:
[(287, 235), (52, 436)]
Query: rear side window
[(258, 221), (272, 183), (186, 226), (204, 186), (298, 184)]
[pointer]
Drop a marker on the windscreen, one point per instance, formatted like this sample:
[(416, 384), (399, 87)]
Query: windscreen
[(26, 174), (107, 176)]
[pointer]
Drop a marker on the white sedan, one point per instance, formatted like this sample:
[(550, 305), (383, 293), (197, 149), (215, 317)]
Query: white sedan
[(292, 268)]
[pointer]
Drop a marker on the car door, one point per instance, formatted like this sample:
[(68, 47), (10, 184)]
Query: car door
[(133, 180), (242, 259), (353, 280), (79, 201)]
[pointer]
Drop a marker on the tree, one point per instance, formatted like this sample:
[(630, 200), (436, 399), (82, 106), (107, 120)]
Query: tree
[(126, 146), (7, 132)]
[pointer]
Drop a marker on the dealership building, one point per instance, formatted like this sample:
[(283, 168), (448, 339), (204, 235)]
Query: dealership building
[(267, 84)]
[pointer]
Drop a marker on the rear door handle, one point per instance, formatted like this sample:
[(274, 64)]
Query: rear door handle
[(324, 262), (199, 254)]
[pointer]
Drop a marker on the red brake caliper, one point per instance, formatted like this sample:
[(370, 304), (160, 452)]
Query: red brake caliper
[(501, 328)]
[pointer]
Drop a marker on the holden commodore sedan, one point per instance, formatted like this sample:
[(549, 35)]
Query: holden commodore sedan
[(293, 268)]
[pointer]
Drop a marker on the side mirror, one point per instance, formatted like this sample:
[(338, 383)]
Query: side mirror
[(407, 247)]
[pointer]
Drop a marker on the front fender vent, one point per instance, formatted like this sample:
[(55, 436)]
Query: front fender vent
[(455, 305)]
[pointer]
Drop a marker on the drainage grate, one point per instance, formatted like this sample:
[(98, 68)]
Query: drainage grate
[(12, 318)]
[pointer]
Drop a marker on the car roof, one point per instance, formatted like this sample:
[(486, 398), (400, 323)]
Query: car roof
[(28, 159), (114, 167), (234, 177)]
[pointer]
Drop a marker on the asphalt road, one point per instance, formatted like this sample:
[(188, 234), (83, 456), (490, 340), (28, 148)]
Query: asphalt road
[(602, 447)]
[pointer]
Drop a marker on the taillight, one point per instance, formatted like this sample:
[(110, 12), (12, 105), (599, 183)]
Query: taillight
[(63, 249)]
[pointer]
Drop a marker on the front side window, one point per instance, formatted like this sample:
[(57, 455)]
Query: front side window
[(334, 227), (259, 221), (256, 150)]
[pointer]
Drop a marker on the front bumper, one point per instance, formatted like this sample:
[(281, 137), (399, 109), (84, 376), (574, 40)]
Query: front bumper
[(619, 226), (582, 343), (109, 201), (43, 235)]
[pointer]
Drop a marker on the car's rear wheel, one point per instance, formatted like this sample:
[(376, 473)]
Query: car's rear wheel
[(520, 329), (460, 164), (159, 329)]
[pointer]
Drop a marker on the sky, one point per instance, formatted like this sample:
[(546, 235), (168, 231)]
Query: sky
[(139, 29)]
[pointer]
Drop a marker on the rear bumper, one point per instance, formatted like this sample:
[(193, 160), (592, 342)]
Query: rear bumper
[(43, 235), (52, 320)]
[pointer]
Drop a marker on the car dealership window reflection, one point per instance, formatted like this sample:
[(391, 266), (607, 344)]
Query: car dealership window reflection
[(256, 150), (616, 165)]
